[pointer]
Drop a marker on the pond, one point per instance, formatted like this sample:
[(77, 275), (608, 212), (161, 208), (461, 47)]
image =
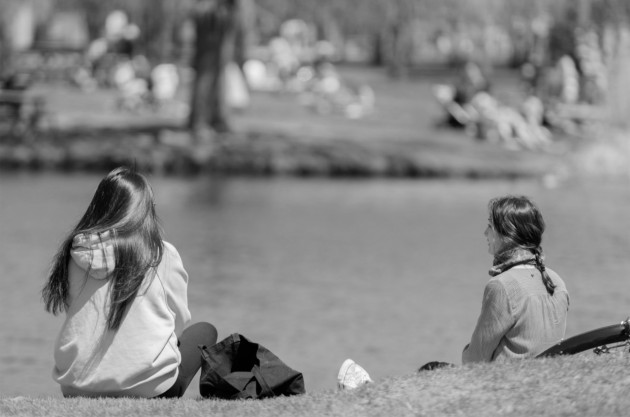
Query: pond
[(389, 273)]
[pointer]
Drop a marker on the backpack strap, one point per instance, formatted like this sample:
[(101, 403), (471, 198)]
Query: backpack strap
[(266, 389)]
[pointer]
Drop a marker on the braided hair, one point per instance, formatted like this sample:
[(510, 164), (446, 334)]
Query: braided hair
[(520, 222), (540, 265)]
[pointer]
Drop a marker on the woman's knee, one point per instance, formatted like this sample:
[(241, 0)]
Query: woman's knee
[(205, 333)]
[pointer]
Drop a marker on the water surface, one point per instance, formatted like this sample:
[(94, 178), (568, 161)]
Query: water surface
[(389, 273)]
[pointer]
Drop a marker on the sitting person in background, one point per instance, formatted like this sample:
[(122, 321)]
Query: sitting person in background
[(525, 304), (471, 82)]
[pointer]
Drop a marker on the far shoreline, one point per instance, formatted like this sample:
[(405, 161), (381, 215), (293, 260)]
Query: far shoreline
[(169, 150)]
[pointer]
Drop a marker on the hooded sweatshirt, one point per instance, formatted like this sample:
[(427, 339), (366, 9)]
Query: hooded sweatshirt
[(141, 357)]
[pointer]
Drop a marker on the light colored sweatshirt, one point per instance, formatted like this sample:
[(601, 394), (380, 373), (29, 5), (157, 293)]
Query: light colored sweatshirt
[(518, 319), (140, 358)]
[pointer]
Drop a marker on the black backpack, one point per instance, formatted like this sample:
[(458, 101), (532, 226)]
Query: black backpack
[(236, 368)]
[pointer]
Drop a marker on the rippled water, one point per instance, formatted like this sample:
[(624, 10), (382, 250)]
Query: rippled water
[(389, 273)]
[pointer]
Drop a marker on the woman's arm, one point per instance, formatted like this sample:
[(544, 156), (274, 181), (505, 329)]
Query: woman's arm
[(494, 322), (176, 286)]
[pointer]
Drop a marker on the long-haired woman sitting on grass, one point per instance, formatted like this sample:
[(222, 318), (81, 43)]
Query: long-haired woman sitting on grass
[(124, 292), (525, 304)]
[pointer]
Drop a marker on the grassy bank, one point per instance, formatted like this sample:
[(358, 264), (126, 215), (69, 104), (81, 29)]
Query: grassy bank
[(276, 135), (581, 385), (269, 154)]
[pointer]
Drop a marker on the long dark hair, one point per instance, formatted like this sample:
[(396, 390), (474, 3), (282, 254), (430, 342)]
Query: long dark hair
[(123, 206), (519, 221)]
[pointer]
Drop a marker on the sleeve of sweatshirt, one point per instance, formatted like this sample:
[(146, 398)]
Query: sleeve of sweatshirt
[(175, 281), (494, 322)]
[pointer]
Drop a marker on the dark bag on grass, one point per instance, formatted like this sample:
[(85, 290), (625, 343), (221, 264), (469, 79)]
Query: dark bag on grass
[(431, 366), (236, 368)]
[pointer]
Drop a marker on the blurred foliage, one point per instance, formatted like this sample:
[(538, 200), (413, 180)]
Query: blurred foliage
[(158, 19), (610, 12), (382, 23)]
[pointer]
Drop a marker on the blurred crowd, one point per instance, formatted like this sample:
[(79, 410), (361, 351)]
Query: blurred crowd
[(559, 93), (295, 62), (561, 67), (292, 62), (112, 61)]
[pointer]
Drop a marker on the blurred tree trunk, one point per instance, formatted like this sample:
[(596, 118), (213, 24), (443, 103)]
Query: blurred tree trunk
[(5, 53), (245, 33), (16, 32), (399, 36), (618, 99), (330, 28), (5, 56), (377, 55), (399, 46), (156, 24), (159, 20), (217, 27), (584, 12)]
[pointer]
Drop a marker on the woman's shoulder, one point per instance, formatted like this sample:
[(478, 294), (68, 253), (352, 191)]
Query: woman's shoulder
[(170, 249), (171, 265), (512, 280), (517, 279), (512, 274), (498, 282), (170, 253), (556, 279)]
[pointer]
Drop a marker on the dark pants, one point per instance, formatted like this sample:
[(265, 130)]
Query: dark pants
[(197, 334)]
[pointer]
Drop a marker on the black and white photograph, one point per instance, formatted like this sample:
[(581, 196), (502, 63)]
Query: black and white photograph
[(314, 208)]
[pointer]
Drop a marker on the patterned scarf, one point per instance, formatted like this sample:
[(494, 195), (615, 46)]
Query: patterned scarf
[(511, 258)]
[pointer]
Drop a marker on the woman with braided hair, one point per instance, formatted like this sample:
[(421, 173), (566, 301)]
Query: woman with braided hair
[(525, 304)]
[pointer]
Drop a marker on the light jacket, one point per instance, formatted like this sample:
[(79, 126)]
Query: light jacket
[(518, 319), (141, 357)]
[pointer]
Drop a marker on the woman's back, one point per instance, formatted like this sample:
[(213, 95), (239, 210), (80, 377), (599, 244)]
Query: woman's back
[(124, 292), (141, 357), (539, 318)]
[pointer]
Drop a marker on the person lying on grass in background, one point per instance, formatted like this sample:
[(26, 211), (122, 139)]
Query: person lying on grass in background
[(525, 304), (124, 292)]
